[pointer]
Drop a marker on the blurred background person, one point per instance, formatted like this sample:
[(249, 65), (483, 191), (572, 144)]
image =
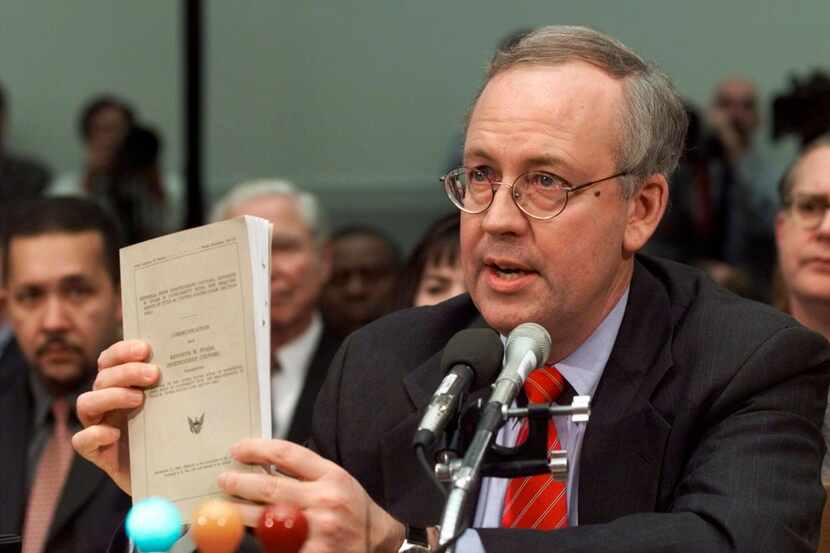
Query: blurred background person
[(103, 123), (365, 266), (802, 232), (432, 272), (122, 170), (21, 178), (137, 191), (301, 346), (61, 291)]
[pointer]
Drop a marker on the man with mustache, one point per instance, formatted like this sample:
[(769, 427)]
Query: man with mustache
[(704, 432), (60, 291), (802, 234)]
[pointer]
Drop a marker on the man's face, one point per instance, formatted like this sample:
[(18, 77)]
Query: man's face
[(568, 272), (737, 99), (804, 254), (107, 130), (62, 305), (363, 275), (299, 267)]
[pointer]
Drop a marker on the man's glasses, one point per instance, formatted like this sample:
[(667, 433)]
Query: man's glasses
[(809, 210), (539, 195)]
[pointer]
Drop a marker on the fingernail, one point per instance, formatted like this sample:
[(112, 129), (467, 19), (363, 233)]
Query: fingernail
[(234, 450), (222, 479), (136, 398)]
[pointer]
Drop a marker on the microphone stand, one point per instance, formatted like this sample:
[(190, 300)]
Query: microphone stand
[(483, 458)]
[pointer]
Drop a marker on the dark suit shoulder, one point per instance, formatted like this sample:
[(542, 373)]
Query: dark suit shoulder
[(417, 333)]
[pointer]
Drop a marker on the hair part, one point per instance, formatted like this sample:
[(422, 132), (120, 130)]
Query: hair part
[(653, 122), (790, 176), (63, 215), (308, 205)]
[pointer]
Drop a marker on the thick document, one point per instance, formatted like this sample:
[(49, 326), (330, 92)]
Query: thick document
[(200, 297)]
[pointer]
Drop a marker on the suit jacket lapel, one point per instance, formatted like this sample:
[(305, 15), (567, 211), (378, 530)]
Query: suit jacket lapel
[(15, 404), (300, 428), (626, 436), (81, 483)]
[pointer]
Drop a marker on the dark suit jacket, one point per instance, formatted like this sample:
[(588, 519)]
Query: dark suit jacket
[(705, 431), (91, 505), (300, 429)]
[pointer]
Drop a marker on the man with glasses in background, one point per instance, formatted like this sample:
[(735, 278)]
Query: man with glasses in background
[(802, 233), (704, 432)]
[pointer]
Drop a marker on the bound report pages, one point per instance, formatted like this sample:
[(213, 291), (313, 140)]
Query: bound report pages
[(200, 297)]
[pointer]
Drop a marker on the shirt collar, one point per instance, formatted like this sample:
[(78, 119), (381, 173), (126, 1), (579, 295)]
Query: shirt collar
[(42, 399), (294, 355), (584, 367)]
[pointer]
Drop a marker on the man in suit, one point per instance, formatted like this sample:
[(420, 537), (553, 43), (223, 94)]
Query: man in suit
[(302, 346), (705, 426), (61, 294), (802, 235)]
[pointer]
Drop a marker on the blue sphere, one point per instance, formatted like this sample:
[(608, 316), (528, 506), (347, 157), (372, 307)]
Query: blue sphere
[(154, 524)]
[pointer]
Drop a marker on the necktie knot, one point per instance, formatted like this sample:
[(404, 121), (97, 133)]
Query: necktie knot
[(544, 384)]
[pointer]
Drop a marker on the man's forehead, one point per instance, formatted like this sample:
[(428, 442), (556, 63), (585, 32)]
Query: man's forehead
[(736, 88), (566, 103), (55, 256), (812, 175)]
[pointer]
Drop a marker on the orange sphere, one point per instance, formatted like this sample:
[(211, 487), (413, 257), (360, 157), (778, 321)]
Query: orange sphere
[(217, 527)]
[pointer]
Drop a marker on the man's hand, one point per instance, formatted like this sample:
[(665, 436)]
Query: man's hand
[(341, 515), (118, 389)]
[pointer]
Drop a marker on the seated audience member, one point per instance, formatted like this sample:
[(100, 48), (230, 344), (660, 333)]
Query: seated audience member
[(61, 294), (102, 126), (365, 265), (706, 408), (20, 178), (802, 232), (138, 191), (432, 273), (116, 155), (301, 346)]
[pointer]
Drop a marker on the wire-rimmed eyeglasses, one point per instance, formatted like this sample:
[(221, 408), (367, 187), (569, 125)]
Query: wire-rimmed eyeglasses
[(537, 194), (808, 210)]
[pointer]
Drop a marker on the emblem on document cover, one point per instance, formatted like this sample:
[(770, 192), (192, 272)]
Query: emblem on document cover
[(196, 424)]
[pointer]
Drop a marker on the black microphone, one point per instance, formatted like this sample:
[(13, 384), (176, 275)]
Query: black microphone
[(471, 358)]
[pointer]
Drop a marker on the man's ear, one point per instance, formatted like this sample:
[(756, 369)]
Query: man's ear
[(645, 210)]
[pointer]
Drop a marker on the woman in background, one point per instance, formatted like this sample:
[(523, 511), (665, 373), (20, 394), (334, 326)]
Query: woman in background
[(432, 273)]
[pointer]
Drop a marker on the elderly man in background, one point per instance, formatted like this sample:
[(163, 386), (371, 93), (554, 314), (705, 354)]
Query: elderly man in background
[(301, 345), (62, 297), (704, 432), (802, 233)]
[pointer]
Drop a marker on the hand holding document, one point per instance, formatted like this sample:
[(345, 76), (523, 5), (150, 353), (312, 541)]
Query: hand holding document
[(200, 298)]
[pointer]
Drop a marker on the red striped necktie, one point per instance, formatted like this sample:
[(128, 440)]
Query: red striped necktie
[(539, 501)]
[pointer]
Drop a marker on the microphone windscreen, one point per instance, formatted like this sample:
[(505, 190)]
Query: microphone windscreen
[(480, 348)]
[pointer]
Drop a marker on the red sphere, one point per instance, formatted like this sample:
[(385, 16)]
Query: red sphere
[(282, 528)]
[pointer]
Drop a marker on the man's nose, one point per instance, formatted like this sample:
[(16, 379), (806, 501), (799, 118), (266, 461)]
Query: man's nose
[(356, 284), (504, 216), (55, 316)]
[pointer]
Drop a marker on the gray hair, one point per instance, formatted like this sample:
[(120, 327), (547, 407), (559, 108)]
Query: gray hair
[(653, 128), (309, 207), (785, 185)]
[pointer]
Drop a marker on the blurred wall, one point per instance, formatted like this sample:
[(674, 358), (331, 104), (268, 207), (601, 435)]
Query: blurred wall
[(361, 101)]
